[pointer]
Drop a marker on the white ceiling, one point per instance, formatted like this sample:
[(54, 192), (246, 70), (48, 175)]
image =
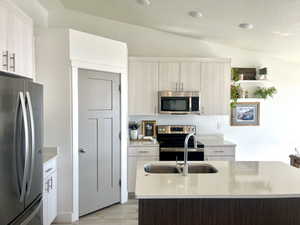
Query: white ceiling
[(219, 22)]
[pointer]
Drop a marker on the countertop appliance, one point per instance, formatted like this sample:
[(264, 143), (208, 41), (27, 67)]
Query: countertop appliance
[(179, 102), (21, 141), (171, 143)]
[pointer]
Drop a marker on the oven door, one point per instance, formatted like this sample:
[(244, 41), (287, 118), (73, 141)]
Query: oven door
[(174, 105)]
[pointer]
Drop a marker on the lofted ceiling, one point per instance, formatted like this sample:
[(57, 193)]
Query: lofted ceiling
[(276, 22)]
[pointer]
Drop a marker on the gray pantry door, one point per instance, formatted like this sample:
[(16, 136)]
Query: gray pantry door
[(99, 143)]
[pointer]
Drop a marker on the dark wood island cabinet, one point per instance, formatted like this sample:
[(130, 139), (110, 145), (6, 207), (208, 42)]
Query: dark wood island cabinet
[(219, 211)]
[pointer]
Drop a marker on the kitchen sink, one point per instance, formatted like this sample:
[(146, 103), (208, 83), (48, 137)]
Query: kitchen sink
[(202, 168), (193, 168), (155, 168)]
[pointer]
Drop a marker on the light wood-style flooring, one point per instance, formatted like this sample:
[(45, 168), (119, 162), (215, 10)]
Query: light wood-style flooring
[(126, 214)]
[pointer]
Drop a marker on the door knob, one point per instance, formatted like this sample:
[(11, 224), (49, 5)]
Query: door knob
[(81, 150)]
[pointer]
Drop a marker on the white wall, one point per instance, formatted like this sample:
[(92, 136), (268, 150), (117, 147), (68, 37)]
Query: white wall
[(52, 51), (35, 10), (276, 136), (60, 53)]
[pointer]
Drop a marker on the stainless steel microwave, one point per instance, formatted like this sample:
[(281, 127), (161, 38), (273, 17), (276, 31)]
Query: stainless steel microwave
[(179, 102)]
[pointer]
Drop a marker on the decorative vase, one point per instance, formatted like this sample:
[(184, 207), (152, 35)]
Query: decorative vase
[(133, 134)]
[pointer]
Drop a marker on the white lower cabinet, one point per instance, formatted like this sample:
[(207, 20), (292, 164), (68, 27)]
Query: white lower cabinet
[(219, 153), (136, 154), (50, 192)]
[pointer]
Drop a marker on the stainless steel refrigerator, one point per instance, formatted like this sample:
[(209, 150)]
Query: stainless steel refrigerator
[(21, 142)]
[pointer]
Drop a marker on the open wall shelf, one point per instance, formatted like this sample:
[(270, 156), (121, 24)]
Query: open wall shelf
[(256, 82)]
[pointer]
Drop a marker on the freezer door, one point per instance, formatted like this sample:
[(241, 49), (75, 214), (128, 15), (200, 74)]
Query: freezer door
[(32, 215), (10, 182), (34, 105)]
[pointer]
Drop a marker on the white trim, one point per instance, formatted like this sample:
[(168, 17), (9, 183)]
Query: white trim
[(74, 116), (65, 217), (177, 59), (76, 64)]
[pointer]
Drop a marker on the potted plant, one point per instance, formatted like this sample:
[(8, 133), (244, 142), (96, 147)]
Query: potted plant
[(235, 94), (133, 127), (264, 93)]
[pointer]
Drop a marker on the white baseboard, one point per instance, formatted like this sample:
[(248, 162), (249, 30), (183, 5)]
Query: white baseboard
[(64, 218)]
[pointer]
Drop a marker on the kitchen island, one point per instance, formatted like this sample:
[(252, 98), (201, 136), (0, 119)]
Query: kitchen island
[(239, 193)]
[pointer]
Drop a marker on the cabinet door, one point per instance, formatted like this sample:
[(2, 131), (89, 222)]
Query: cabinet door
[(142, 88), (45, 205), (190, 76), (215, 88), (3, 30), (132, 162), (20, 42), (52, 198), (132, 168), (169, 76)]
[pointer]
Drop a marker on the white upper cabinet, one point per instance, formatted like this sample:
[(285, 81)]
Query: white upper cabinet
[(142, 88), (215, 88), (3, 31), (17, 39), (169, 76), (209, 76), (190, 76)]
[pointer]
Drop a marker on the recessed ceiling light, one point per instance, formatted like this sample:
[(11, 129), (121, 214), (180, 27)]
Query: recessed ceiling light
[(247, 26), (282, 34), (195, 14), (144, 2)]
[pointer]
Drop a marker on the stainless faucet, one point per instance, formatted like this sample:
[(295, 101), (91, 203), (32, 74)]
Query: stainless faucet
[(186, 148)]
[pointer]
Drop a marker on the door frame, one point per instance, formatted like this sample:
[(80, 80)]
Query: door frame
[(122, 71)]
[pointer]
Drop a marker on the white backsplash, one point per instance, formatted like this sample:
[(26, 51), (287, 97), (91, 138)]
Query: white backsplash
[(204, 124)]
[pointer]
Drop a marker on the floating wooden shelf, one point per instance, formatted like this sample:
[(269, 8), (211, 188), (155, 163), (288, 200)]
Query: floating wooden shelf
[(253, 82)]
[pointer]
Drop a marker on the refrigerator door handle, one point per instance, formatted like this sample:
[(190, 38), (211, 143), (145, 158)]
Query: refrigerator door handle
[(28, 99), (26, 134)]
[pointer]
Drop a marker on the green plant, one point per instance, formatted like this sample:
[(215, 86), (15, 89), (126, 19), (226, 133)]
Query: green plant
[(134, 125), (264, 93), (235, 94), (235, 74)]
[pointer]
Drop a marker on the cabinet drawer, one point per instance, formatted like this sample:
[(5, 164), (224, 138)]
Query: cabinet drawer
[(143, 151), (219, 158), (219, 151), (49, 167)]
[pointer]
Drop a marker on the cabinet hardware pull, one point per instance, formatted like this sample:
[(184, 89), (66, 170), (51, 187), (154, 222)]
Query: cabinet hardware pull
[(219, 151), (12, 64), (51, 182), (48, 170), (176, 86), (5, 60), (182, 86)]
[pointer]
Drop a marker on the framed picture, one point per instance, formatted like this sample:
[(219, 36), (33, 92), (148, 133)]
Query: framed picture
[(149, 128), (245, 114)]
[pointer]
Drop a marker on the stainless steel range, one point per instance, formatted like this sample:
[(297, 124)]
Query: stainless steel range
[(171, 141)]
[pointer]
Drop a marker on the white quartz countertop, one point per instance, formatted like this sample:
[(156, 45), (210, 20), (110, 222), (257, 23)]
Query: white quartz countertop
[(214, 141), (49, 153), (233, 180)]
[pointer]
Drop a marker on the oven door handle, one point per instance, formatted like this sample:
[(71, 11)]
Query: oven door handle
[(181, 150)]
